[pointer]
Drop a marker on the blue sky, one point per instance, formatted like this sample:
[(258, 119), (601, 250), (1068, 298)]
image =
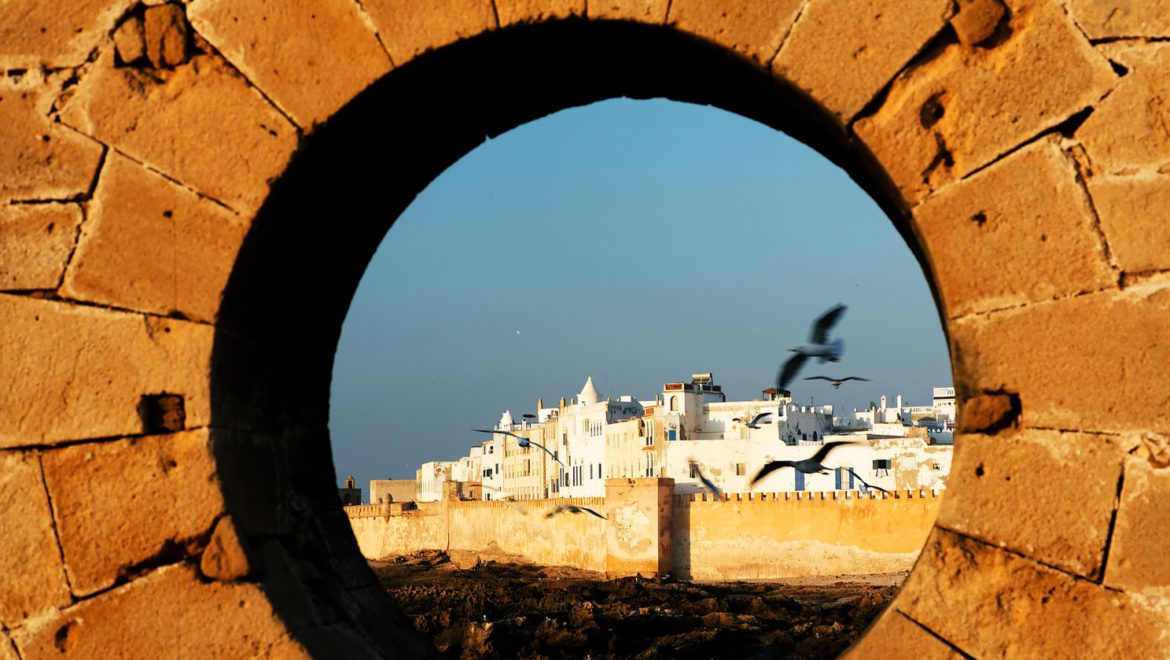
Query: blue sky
[(635, 241)]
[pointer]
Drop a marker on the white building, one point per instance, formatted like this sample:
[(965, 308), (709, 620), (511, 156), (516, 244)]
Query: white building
[(591, 440)]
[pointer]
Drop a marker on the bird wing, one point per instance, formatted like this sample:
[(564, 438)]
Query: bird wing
[(824, 323), (761, 416), (790, 369), (554, 456), (588, 510), (769, 468), (867, 484), (823, 452), (854, 378), (819, 378)]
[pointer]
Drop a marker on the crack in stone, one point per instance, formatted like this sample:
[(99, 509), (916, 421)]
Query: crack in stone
[(102, 440), (788, 33), (1016, 553), (372, 27), (53, 524), (932, 633), (1112, 523)]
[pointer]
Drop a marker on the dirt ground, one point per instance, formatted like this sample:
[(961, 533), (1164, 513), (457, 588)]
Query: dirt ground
[(476, 609)]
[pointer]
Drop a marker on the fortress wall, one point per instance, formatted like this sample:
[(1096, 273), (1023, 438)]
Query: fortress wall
[(745, 536), (514, 528), (769, 535)]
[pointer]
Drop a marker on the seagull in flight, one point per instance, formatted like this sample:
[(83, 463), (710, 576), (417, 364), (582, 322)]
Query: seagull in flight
[(810, 465), (706, 482), (572, 508), (865, 485), (756, 421), (524, 442), (836, 382), (819, 347)]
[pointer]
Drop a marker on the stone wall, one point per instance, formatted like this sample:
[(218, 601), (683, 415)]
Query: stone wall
[(748, 536), (186, 208)]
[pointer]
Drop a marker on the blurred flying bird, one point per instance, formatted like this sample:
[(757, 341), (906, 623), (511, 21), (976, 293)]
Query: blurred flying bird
[(524, 442), (572, 508), (836, 382), (756, 421), (531, 416), (706, 482), (865, 486), (819, 347), (810, 465), (519, 334)]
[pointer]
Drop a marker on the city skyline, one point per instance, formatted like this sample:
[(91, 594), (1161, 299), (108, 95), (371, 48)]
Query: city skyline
[(637, 242)]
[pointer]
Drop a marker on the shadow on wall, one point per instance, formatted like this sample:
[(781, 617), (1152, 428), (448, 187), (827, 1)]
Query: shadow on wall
[(301, 262)]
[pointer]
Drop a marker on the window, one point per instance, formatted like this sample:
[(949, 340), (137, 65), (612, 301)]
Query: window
[(694, 471), (740, 469), (674, 404), (590, 470), (672, 434), (882, 463)]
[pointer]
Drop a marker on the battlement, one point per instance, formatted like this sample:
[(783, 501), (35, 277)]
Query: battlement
[(810, 496)]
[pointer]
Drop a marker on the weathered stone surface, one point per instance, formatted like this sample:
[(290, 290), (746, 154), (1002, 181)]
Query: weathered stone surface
[(1057, 357), (34, 579), (755, 29), (119, 504), (534, 11), (231, 144), (842, 52), (78, 372), (166, 614), (1105, 19), (895, 636), (1137, 555), (410, 27), (226, 555), (643, 11), (306, 80), (1133, 212), (130, 41), (35, 242), (964, 107), (988, 602), (1153, 448), (1131, 127), (40, 160), (55, 34), (167, 35), (1044, 494), (977, 20), (152, 246), (1020, 231), (7, 650), (987, 412)]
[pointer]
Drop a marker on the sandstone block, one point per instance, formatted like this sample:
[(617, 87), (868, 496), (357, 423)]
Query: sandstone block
[(130, 41), (168, 613), (34, 581), (1133, 212), (201, 124), (962, 108), (988, 602), (35, 242), (977, 20), (1131, 127), (755, 29), (652, 12), (1111, 19), (79, 372), (534, 11), (227, 554), (1119, 338), (411, 27), (307, 80), (842, 52), (893, 635), (153, 246), (1019, 231), (1044, 494), (40, 160), (1137, 555), (123, 503), (55, 34), (167, 35)]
